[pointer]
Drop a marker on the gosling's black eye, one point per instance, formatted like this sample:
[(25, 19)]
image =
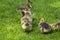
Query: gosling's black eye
[(27, 24)]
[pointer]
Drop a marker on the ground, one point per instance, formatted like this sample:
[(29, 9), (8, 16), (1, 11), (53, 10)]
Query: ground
[(10, 26)]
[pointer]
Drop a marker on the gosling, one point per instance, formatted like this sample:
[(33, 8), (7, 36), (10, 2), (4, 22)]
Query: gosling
[(25, 12), (26, 6), (56, 26), (44, 27), (26, 24)]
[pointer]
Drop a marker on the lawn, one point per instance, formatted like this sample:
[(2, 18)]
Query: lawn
[(10, 26)]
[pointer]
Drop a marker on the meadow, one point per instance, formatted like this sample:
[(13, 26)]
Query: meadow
[(10, 26)]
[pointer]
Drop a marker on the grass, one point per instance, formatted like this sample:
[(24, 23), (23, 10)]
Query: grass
[(10, 27)]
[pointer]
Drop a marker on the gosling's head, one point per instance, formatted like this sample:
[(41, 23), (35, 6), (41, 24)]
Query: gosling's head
[(27, 26), (29, 1), (24, 20), (28, 4), (54, 26), (41, 20)]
